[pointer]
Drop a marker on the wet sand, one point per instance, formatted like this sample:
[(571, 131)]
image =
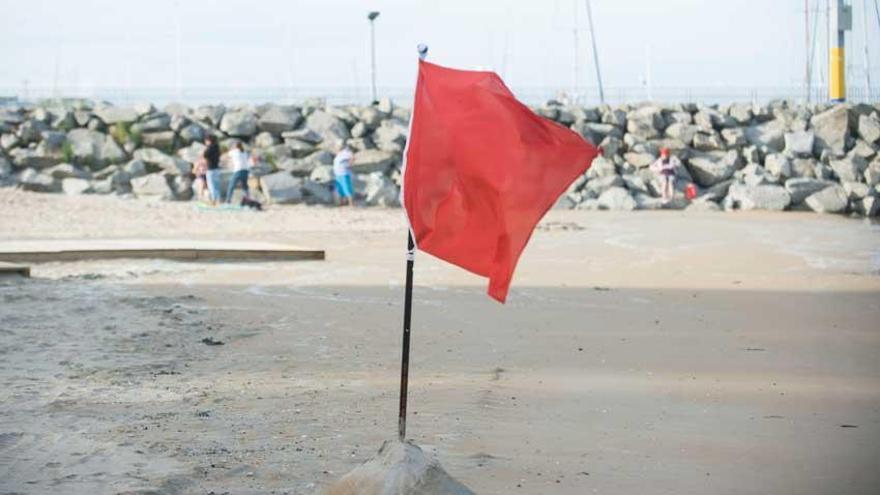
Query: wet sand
[(654, 352)]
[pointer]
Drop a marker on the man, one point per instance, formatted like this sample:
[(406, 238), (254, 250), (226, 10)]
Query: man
[(342, 175), (665, 167), (212, 157)]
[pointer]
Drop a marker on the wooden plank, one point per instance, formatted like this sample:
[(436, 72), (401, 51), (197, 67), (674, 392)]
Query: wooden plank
[(14, 269), (77, 250)]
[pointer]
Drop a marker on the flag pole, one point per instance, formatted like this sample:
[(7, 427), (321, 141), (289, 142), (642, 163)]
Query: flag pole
[(407, 312)]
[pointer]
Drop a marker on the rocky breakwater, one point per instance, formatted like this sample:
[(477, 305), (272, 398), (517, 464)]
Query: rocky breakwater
[(778, 156)]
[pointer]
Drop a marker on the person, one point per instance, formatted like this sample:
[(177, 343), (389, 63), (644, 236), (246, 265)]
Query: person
[(212, 175), (241, 165), (665, 167), (200, 169), (342, 175)]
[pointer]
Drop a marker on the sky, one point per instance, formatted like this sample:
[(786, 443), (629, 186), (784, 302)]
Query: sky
[(74, 45)]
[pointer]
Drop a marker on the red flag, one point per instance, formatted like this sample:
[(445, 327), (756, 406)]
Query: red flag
[(481, 170)]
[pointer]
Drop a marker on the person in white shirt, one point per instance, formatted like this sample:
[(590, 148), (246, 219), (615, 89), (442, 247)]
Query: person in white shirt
[(241, 166), (342, 175), (665, 167)]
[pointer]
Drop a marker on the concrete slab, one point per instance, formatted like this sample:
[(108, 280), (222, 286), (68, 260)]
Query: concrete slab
[(40, 251), (14, 269)]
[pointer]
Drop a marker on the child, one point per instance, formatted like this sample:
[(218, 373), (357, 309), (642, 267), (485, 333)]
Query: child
[(665, 167), (200, 170), (342, 175)]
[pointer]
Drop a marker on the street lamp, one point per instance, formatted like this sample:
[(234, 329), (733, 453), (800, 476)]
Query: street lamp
[(372, 17)]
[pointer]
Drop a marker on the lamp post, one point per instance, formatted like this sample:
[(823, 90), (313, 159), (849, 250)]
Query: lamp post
[(372, 17)]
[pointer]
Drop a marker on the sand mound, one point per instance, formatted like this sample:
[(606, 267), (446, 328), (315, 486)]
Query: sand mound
[(398, 469)]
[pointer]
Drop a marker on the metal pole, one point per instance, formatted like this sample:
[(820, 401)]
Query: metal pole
[(841, 21), (807, 50), (373, 57), (407, 314), (595, 52), (867, 56)]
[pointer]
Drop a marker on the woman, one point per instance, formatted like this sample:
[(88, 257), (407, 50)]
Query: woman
[(241, 165), (212, 174), (342, 175), (665, 167)]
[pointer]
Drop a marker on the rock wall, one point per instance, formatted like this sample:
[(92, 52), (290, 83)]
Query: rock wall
[(779, 156)]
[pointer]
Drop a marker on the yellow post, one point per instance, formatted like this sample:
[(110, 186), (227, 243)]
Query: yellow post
[(841, 22), (837, 78)]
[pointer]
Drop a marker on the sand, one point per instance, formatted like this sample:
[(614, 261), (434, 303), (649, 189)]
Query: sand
[(648, 352)]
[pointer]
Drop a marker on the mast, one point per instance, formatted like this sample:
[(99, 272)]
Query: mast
[(595, 52)]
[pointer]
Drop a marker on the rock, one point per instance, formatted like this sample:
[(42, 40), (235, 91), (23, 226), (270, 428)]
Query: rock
[(763, 197), (639, 160), (31, 158), (753, 174), (265, 139), (391, 135), (741, 113), (281, 188), (734, 137), (849, 169), (156, 123), (611, 146), (707, 142), (192, 152), (646, 122), (385, 105), (368, 161), (152, 186), (869, 206), (800, 143), (869, 128), (314, 192), (31, 180), (712, 167), (703, 205), (831, 199), (770, 135), (163, 139), (709, 120), (778, 165), (322, 174), (66, 171), (278, 120), (863, 150), (370, 117), (381, 191), (110, 114), (397, 469), (801, 187), (8, 141), (617, 198), (683, 132), (159, 160), (872, 172), (75, 186), (210, 114), (298, 149), (93, 148), (332, 130), (601, 167), (304, 135), (804, 167), (635, 184), (239, 123), (832, 128), (565, 202), (856, 190), (135, 168), (144, 108), (359, 130), (193, 133), (596, 187), (648, 202), (183, 187)]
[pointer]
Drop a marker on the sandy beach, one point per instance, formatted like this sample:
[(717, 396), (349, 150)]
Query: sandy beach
[(645, 352)]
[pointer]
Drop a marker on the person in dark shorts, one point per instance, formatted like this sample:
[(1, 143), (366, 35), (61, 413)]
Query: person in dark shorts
[(665, 167), (212, 175)]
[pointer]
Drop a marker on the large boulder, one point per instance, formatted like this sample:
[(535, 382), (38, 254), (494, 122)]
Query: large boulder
[(779, 165), (869, 128), (332, 129), (65, 171), (239, 123), (111, 114), (277, 120), (832, 128), (158, 160), (849, 168), (801, 187), (381, 191), (712, 167), (391, 135), (32, 180), (156, 123), (397, 469), (769, 135), (281, 188), (305, 135), (152, 186), (368, 161), (832, 199), (800, 143), (761, 197), (617, 198), (160, 139), (316, 192), (75, 186), (646, 122)]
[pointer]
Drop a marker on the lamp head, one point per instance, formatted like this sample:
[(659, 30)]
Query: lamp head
[(373, 15)]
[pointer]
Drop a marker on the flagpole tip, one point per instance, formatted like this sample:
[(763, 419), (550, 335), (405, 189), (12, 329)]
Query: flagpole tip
[(423, 51)]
